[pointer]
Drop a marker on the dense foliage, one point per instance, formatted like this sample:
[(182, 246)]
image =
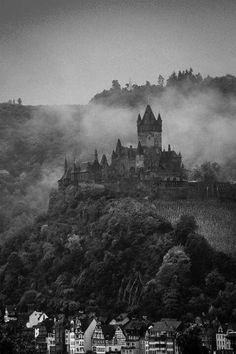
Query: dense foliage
[(110, 255), (106, 254), (186, 82)]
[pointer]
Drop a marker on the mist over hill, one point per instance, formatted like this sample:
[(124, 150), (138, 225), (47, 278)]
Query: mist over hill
[(198, 120), (95, 251)]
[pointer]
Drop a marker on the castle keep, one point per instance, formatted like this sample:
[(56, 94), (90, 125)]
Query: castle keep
[(148, 162)]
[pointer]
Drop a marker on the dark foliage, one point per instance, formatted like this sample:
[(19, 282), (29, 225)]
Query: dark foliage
[(114, 255)]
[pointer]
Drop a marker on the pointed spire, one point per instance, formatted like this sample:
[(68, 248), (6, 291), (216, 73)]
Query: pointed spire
[(139, 149), (104, 160), (159, 117), (139, 119), (113, 156), (148, 116), (118, 147)]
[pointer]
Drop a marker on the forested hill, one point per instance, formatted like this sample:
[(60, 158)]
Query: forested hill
[(186, 83), (96, 252), (107, 255)]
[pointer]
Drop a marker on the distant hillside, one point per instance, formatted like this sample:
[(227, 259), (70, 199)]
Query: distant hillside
[(185, 82), (109, 255), (32, 147)]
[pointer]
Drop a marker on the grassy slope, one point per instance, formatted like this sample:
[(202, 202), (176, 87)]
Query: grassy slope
[(216, 220)]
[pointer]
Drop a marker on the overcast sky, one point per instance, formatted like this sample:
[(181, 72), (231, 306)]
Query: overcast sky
[(65, 51)]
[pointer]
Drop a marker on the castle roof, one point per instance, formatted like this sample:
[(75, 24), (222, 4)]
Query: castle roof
[(67, 173), (148, 117), (118, 147), (104, 160)]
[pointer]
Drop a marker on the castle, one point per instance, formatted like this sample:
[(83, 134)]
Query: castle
[(148, 162)]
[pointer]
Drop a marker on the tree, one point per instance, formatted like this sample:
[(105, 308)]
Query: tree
[(176, 264), (19, 101), (13, 340), (208, 172), (189, 341), (214, 282), (115, 85), (186, 225)]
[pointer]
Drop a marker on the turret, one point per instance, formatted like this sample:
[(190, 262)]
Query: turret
[(74, 173), (96, 165), (118, 147), (150, 129), (113, 156), (104, 162), (169, 149)]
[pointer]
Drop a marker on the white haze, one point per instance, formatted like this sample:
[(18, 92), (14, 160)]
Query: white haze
[(201, 126)]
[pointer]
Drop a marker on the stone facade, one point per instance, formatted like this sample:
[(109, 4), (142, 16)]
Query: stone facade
[(146, 162)]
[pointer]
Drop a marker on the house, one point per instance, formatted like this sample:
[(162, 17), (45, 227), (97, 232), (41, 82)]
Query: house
[(88, 326), (121, 320), (98, 340), (10, 314), (223, 341), (59, 326), (35, 318), (114, 338), (74, 337), (45, 337), (135, 337), (161, 337)]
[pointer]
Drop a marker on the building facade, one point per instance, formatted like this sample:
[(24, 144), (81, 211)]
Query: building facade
[(161, 337)]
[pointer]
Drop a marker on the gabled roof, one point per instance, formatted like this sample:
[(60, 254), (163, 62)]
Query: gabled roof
[(137, 327), (165, 325), (108, 331)]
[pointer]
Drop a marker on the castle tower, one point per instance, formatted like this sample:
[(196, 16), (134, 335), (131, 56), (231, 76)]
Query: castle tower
[(150, 130)]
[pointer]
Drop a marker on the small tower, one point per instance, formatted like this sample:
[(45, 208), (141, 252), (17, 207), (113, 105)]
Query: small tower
[(150, 130), (118, 147), (96, 165), (104, 162)]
